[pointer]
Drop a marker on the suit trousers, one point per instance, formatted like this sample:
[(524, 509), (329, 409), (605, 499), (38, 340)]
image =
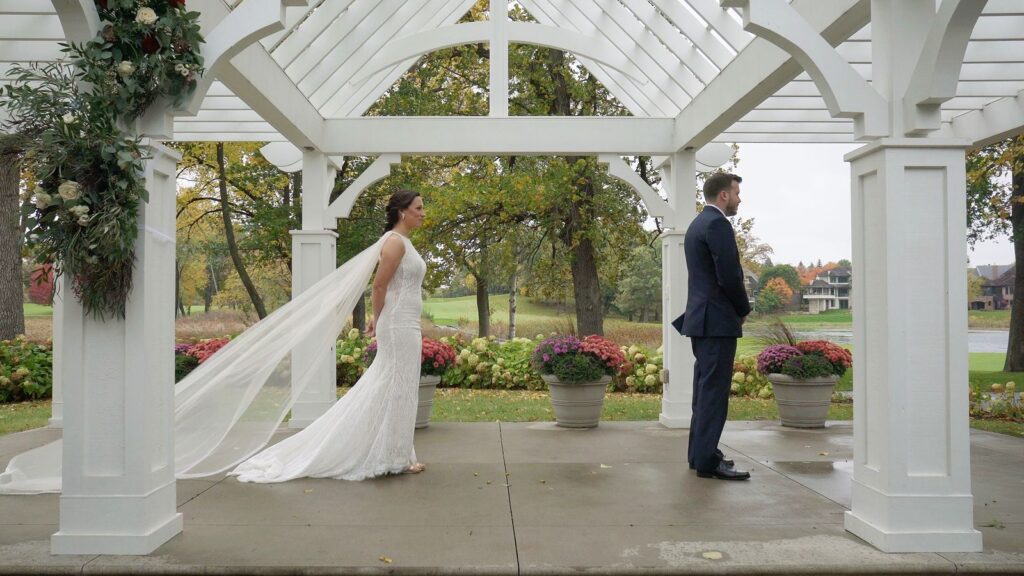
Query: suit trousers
[(712, 378)]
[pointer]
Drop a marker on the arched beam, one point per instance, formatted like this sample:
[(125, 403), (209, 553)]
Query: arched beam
[(416, 45), (846, 93), (342, 205), (232, 33), (937, 71), (655, 205), (79, 19)]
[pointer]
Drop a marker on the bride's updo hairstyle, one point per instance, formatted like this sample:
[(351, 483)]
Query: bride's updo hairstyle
[(399, 201)]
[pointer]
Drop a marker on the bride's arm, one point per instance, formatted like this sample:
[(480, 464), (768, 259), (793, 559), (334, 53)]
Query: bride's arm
[(390, 258)]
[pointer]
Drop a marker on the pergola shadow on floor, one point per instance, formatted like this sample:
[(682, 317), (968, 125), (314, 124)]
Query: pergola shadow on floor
[(531, 498)]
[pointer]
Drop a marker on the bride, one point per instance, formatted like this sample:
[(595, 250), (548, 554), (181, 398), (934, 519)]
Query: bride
[(229, 407), (369, 431)]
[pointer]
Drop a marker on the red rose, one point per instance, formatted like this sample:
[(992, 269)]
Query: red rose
[(150, 45), (176, 3), (102, 4)]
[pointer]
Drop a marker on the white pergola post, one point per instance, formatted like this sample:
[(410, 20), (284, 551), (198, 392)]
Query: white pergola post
[(118, 459), (912, 455), (678, 178), (313, 257), (912, 469), (57, 323)]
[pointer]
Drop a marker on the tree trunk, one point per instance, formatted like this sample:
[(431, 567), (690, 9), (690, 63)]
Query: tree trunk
[(12, 312), (483, 307), (179, 310), (513, 302), (1015, 347), (229, 235), (359, 315), (587, 289), (211, 288)]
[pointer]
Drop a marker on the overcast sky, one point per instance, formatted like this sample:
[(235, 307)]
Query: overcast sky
[(799, 196)]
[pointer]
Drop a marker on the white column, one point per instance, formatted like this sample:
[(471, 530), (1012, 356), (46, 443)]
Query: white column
[(314, 256), (57, 395), (118, 459), (679, 182), (912, 482)]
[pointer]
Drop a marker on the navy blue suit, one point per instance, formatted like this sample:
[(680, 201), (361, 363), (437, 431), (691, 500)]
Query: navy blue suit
[(715, 306)]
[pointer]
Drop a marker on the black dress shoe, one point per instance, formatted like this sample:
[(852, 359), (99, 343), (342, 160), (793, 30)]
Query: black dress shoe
[(723, 472), (728, 464)]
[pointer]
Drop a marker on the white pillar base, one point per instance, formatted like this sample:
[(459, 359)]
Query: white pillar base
[(136, 524), (314, 256), (675, 414), (969, 541)]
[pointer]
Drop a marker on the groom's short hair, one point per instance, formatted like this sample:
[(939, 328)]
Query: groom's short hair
[(717, 183)]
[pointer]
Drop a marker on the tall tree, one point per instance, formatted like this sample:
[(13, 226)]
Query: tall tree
[(12, 314), (229, 235), (995, 208)]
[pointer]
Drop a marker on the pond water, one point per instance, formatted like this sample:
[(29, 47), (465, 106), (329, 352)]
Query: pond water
[(977, 340)]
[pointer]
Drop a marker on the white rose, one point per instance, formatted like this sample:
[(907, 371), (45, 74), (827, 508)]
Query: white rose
[(79, 211), (181, 69), (43, 200), (125, 68), (145, 16), (69, 190), (68, 118), (83, 220)]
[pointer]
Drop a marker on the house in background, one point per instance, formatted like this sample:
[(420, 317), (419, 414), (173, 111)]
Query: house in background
[(996, 292), (830, 290)]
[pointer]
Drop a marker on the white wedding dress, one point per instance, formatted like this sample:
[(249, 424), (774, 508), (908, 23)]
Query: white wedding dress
[(369, 431), (229, 407)]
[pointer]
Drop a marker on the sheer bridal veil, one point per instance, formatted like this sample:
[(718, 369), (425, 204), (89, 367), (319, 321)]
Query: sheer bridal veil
[(229, 407)]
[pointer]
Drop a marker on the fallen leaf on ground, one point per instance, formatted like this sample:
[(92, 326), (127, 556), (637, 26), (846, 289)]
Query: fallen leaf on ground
[(385, 559), (308, 490), (605, 466), (822, 453), (713, 555)]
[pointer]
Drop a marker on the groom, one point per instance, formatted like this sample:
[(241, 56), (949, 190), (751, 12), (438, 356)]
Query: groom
[(716, 307)]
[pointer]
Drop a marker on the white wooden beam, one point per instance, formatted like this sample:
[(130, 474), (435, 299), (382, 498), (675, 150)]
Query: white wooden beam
[(547, 135), (428, 41), (1000, 119), (498, 93), (356, 100), (79, 19), (375, 172), (846, 93), (937, 71), (655, 204), (760, 70)]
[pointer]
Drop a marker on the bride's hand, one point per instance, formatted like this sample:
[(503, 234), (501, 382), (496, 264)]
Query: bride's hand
[(371, 329)]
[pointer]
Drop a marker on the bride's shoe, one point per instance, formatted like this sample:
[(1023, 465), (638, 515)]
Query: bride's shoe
[(415, 468)]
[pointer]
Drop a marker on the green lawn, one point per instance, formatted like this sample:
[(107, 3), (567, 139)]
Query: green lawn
[(37, 310), (453, 311), (458, 405)]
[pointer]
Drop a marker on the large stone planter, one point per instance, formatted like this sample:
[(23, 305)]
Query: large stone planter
[(803, 403), (577, 405), (428, 384)]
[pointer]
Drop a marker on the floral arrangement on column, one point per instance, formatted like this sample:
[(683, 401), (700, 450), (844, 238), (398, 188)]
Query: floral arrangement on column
[(85, 163)]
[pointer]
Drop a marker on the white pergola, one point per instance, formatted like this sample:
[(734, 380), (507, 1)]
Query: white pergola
[(919, 82)]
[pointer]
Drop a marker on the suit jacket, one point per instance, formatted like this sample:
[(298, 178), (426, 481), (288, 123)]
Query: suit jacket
[(717, 299)]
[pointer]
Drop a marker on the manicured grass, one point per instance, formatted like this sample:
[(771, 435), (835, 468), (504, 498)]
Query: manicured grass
[(992, 319), (1000, 427), (987, 361), (453, 311), (32, 310), (23, 416)]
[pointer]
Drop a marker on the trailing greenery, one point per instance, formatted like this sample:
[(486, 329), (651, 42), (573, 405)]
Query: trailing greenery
[(81, 208)]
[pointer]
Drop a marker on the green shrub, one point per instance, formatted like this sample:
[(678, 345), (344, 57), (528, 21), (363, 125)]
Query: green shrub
[(487, 363), (748, 381), (350, 357), (26, 370), (183, 364), (642, 371)]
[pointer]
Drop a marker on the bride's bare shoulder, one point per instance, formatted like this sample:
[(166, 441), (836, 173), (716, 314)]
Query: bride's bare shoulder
[(393, 247)]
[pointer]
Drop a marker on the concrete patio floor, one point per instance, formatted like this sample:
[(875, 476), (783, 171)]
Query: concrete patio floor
[(532, 498)]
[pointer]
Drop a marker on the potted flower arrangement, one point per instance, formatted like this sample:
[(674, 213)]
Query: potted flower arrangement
[(435, 358), (803, 377), (577, 373)]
